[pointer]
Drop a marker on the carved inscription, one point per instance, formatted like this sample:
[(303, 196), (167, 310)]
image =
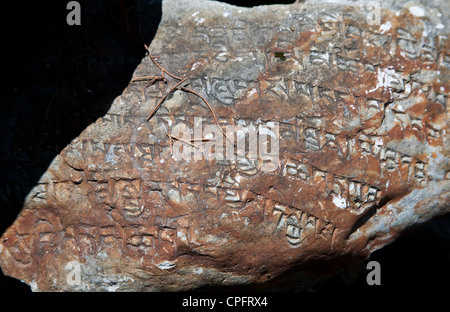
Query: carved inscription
[(299, 226), (354, 195)]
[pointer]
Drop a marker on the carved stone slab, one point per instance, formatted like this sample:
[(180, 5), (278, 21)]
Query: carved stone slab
[(359, 96)]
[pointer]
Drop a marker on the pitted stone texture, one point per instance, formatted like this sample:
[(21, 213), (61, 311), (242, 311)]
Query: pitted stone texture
[(362, 112)]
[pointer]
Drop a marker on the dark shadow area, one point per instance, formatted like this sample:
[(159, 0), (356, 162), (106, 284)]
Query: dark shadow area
[(252, 3), (58, 79), (417, 261)]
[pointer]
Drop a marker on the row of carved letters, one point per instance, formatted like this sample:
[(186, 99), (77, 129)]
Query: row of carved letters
[(221, 39), (91, 239), (136, 237), (404, 119), (314, 140), (141, 238), (356, 193), (227, 91), (299, 225), (390, 160)]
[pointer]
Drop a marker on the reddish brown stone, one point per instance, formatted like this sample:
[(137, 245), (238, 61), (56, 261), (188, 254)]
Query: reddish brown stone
[(363, 153)]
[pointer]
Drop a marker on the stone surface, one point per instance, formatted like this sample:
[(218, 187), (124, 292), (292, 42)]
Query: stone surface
[(361, 106)]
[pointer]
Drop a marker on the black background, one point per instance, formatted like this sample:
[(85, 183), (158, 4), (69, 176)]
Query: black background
[(58, 79)]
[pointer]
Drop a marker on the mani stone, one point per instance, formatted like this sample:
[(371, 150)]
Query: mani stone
[(360, 97)]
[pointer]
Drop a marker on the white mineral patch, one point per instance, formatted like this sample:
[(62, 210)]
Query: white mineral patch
[(251, 92), (239, 178), (195, 65), (110, 157), (407, 89), (182, 236), (384, 78), (377, 144), (166, 265), (209, 136), (199, 20), (198, 270), (417, 11), (34, 287), (266, 131), (339, 202), (113, 288), (385, 27), (223, 215)]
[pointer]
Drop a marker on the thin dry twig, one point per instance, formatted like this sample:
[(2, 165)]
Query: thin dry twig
[(185, 141), (164, 97), (162, 69), (159, 66), (162, 77), (210, 108), (151, 79), (144, 78), (170, 144), (204, 100)]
